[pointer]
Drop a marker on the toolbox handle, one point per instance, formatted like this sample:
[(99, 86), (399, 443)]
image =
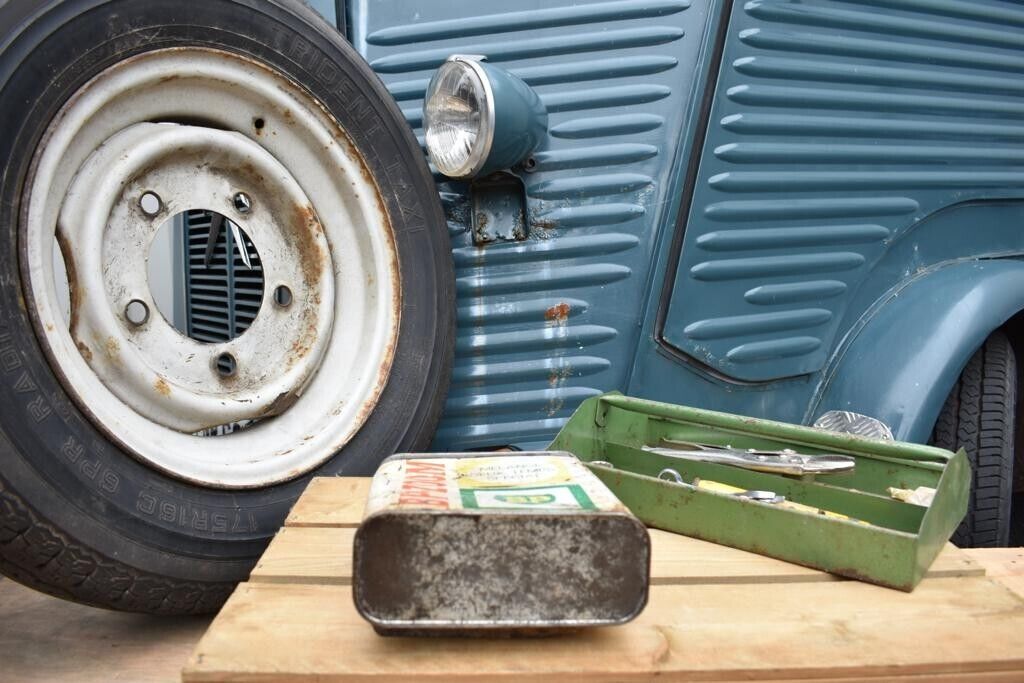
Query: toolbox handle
[(792, 434)]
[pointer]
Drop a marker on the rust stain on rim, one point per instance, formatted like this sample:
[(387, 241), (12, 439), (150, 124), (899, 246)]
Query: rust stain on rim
[(311, 256), (74, 289), (75, 293), (162, 387), (283, 402), (312, 260), (84, 349), (394, 269), (251, 173), (113, 350)]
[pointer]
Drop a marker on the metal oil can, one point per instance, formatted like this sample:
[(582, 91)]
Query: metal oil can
[(496, 543)]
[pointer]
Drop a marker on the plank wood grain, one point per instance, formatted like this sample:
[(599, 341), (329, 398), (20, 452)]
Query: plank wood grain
[(331, 502), (959, 629), (324, 555), (1007, 564), (999, 561)]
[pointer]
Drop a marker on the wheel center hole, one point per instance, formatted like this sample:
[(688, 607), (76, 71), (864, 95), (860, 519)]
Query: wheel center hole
[(205, 276)]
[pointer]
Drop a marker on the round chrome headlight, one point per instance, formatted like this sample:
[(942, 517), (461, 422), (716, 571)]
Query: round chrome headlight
[(458, 117)]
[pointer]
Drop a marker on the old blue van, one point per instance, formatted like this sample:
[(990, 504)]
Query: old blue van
[(250, 242)]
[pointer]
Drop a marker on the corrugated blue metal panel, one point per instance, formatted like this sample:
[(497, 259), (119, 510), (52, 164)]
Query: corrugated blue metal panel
[(222, 298), (837, 125), (547, 322)]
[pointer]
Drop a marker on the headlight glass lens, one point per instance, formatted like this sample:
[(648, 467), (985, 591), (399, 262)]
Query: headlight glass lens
[(457, 120)]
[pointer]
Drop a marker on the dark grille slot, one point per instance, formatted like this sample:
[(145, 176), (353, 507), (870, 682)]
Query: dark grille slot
[(222, 300)]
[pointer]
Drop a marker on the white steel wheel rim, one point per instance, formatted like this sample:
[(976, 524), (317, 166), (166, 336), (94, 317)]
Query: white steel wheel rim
[(335, 250)]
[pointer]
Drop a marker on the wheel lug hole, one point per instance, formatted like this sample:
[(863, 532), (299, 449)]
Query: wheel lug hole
[(150, 203), (226, 365), (282, 296), (136, 312), (242, 202)]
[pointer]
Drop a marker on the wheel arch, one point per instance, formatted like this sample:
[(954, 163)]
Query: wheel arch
[(903, 357)]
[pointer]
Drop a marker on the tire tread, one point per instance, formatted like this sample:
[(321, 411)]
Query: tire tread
[(979, 416), (34, 553)]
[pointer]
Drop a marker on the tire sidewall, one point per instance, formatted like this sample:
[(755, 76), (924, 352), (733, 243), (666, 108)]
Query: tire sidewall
[(53, 456)]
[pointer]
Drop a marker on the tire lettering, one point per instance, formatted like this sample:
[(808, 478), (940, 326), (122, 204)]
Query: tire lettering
[(239, 519), (408, 203), (110, 482), (38, 409), (24, 384), (168, 513), (72, 450), (10, 359), (328, 74), (363, 111), (90, 468), (330, 77), (278, 39), (146, 504), (186, 516), (304, 53), (300, 50)]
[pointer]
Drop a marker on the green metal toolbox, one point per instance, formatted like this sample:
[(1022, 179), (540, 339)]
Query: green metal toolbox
[(865, 534)]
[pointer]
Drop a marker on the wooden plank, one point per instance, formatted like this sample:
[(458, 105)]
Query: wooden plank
[(999, 561), (1005, 565), (45, 639), (956, 628), (331, 501), (307, 555), (1013, 583), (324, 555)]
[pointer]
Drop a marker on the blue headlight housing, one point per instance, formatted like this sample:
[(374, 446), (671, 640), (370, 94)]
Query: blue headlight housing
[(479, 118)]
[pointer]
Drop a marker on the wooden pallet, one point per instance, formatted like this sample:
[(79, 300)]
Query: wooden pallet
[(715, 613)]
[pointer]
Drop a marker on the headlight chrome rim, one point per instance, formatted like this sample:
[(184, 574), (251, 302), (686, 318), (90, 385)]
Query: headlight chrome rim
[(481, 148)]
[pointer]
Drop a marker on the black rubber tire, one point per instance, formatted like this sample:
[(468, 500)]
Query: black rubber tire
[(80, 518), (979, 416)]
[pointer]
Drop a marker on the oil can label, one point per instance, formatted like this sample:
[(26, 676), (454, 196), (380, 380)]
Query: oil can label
[(499, 482), (568, 496)]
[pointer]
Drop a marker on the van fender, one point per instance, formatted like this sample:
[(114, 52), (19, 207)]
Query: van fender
[(901, 360)]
